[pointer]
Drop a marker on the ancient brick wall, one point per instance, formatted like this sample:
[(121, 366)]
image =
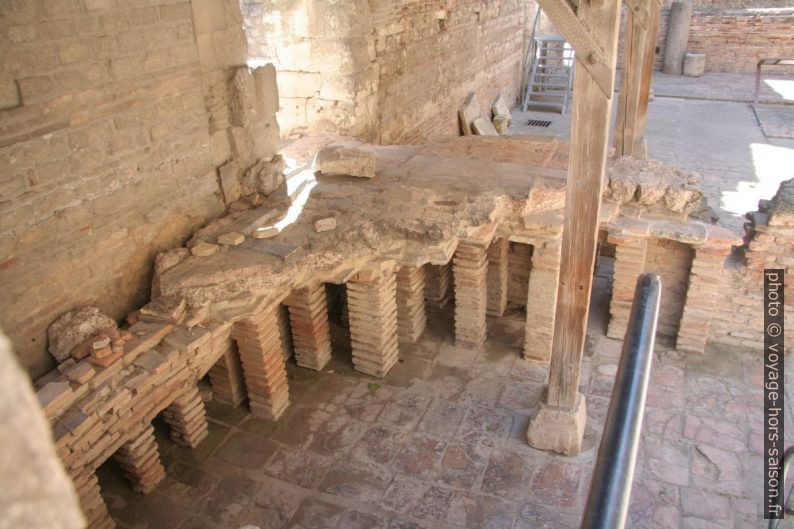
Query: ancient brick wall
[(671, 260), (733, 39), (432, 54), (112, 128), (391, 71)]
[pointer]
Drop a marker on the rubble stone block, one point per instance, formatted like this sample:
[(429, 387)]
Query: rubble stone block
[(411, 317), (259, 342), (483, 127), (308, 318), (470, 268), (557, 429), (372, 311), (468, 113)]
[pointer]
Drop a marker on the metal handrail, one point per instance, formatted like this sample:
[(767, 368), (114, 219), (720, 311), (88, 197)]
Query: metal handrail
[(610, 488), (788, 457)]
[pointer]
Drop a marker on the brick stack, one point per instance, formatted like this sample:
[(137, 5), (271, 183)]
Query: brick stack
[(630, 254), (92, 504), (542, 301), (140, 460), (438, 285), (411, 317), (259, 342), (470, 268), (497, 276), (519, 260), (187, 418), (308, 319), (372, 310), (226, 375), (701, 297)]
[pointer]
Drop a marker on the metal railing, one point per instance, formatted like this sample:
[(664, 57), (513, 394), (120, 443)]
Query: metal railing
[(610, 488)]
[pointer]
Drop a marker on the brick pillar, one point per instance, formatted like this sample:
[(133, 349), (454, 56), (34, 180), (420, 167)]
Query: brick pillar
[(470, 268), (438, 285), (542, 301), (411, 318), (92, 504), (226, 376), (497, 276), (265, 372), (702, 296), (519, 269), (187, 418), (308, 319), (372, 310), (629, 264), (140, 459)]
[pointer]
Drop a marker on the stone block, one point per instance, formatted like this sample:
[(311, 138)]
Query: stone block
[(469, 112), (483, 127), (694, 64), (338, 159), (299, 84), (557, 429)]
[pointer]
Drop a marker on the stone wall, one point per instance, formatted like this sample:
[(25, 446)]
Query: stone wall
[(389, 71), (114, 119), (770, 245), (432, 54)]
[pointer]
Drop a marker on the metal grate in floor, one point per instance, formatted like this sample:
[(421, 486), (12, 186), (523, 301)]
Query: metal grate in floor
[(538, 123)]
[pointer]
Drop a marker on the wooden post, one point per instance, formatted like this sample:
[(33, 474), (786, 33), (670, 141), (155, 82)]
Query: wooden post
[(642, 24), (559, 424)]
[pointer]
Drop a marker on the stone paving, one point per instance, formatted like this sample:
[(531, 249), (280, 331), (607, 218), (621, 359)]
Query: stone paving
[(441, 443), (706, 124)]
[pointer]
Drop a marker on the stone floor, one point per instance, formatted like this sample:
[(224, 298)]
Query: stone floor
[(440, 443), (707, 124)]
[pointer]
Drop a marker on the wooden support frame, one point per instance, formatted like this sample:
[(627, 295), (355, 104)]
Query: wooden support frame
[(592, 31), (642, 26)]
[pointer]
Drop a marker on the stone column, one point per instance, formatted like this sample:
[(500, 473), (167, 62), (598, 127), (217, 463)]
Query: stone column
[(92, 504), (497, 276), (308, 319), (265, 372), (372, 310), (187, 418), (411, 318), (677, 37), (702, 295), (438, 285), (226, 376), (629, 264), (542, 301), (470, 269), (140, 460)]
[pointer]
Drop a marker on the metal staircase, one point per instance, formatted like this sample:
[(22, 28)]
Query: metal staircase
[(550, 74)]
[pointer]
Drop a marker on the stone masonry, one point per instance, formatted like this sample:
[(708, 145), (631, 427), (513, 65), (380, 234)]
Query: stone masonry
[(470, 268), (372, 311), (308, 318), (411, 317)]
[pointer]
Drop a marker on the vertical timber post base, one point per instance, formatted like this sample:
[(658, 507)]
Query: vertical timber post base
[(559, 430)]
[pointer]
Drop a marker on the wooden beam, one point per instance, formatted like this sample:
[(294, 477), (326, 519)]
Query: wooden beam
[(585, 41), (642, 23), (586, 166)]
